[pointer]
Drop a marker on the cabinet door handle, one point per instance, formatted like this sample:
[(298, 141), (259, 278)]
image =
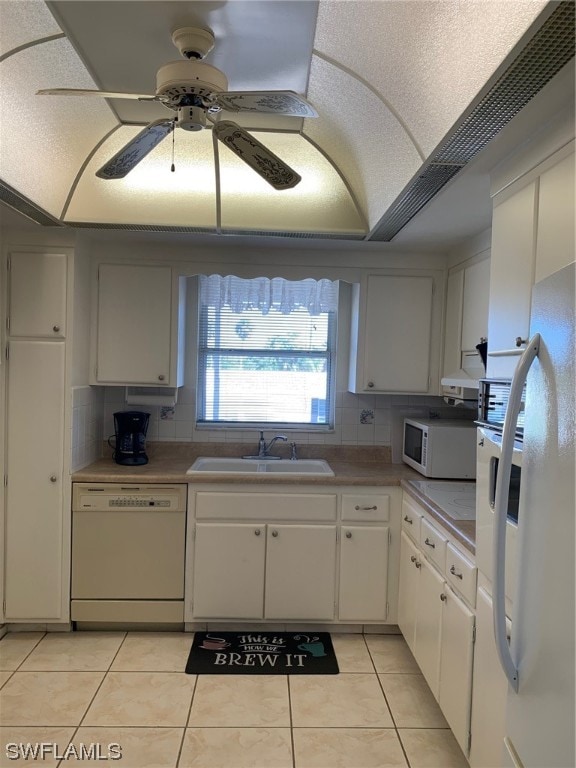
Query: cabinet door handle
[(348, 535), (274, 533), (429, 543), (418, 564), (161, 377), (443, 597), (408, 519), (257, 532), (53, 478), (413, 559), (454, 572), (370, 384), (55, 328), (368, 509)]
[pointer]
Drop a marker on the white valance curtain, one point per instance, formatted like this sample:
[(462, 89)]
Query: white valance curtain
[(265, 293)]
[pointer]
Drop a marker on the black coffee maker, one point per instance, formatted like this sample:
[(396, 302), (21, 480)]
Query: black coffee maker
[(131, 428)]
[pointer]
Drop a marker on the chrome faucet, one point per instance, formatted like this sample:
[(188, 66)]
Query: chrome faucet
[(264, 447)]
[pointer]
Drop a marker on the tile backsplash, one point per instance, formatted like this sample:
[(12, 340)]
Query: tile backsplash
[(359, 420), (87, 425)]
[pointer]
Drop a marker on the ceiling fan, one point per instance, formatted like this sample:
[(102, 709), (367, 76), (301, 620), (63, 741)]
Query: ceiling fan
[(197, 92)]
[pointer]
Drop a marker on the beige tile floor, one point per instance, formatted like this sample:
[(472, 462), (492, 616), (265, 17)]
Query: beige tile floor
[(95, 689)]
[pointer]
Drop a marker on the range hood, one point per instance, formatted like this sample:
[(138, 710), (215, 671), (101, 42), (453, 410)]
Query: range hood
[(466, 377)]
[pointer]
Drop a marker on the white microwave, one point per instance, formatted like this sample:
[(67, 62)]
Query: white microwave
[(443, 448)]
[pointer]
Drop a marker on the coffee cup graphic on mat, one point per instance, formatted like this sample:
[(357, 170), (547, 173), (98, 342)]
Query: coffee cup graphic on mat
[(214, 643), (316, 649)]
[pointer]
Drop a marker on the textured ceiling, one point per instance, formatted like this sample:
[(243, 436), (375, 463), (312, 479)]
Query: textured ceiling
[(389, 78)]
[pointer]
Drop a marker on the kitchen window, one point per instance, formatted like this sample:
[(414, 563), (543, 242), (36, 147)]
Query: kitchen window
[(266, 352)]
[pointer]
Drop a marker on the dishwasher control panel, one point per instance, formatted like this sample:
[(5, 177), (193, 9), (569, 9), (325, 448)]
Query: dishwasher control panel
[(102, 497)]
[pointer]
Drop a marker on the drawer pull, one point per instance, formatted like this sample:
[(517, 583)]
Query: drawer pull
[(274, 533), (408, 519), (417, 564), (348, 535), (366, 508), (413, 559), (257, 532), (454, 572), (443, 597), (429, 543)]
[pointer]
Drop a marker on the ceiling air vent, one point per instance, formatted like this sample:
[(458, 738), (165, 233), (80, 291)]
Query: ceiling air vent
[(542, 57), (22, 205)]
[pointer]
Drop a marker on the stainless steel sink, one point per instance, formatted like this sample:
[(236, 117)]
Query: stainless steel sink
[(210, 464)]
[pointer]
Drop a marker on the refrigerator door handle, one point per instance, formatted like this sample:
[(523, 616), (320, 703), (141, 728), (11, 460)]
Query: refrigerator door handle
[(501, 508)]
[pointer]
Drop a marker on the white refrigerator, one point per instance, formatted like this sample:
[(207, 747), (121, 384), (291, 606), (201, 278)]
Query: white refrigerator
[(539, 661)]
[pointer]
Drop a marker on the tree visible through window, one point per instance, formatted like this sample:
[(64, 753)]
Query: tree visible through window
[(265, 351)]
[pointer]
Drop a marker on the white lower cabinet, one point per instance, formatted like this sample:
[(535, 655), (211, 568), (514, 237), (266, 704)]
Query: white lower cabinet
[(256, 571), (300, 572), (408, 590), (310, 555), (363, 594), (229, 570), (438, 625), (427, 639), (456, 659)]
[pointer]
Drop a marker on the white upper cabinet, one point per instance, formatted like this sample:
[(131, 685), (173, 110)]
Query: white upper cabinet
[(555, 238), (532, 237), (392, 334), (37, 290), (468, 288), (137, 327), (511, 277), (475, 304)]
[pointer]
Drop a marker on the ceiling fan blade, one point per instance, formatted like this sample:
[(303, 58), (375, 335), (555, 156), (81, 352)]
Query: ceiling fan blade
[(275, 102), (137, 149), (256, 155), (102, 94)]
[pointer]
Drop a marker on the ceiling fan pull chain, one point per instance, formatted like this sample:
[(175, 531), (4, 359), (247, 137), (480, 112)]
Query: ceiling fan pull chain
[(173, 167)]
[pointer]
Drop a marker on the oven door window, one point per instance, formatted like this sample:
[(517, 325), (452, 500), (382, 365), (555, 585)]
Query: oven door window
[(413, 440), (513, 491)]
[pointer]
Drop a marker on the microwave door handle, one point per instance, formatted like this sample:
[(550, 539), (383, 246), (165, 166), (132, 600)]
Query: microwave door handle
[(501, 509)]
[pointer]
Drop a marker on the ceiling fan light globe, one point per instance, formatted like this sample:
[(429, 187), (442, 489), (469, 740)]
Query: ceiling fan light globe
[(192, 118)]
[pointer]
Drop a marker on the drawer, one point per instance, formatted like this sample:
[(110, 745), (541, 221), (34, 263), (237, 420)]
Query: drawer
[(461, 574), (411, 520), (366, 508), (433, 544)]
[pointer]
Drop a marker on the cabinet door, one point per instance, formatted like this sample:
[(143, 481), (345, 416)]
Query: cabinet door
[(37, 294), (134, 325), (555, 241), (229, 571), (34, 494), (300, 572), (428, 633), (453, 333), (489, 691), (455, 694), (511, 276), (475, 304), (397, 334), (408, 592), (363, 573)]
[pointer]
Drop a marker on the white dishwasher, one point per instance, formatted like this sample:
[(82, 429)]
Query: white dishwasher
[(128, 550)]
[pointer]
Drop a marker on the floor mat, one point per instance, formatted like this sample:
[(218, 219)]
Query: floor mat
[(262, 653)]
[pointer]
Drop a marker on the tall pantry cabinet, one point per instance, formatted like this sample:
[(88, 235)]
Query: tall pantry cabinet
[(36, 436)]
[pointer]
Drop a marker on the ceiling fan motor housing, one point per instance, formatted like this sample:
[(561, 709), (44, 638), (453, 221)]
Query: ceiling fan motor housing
[(180, 78)]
